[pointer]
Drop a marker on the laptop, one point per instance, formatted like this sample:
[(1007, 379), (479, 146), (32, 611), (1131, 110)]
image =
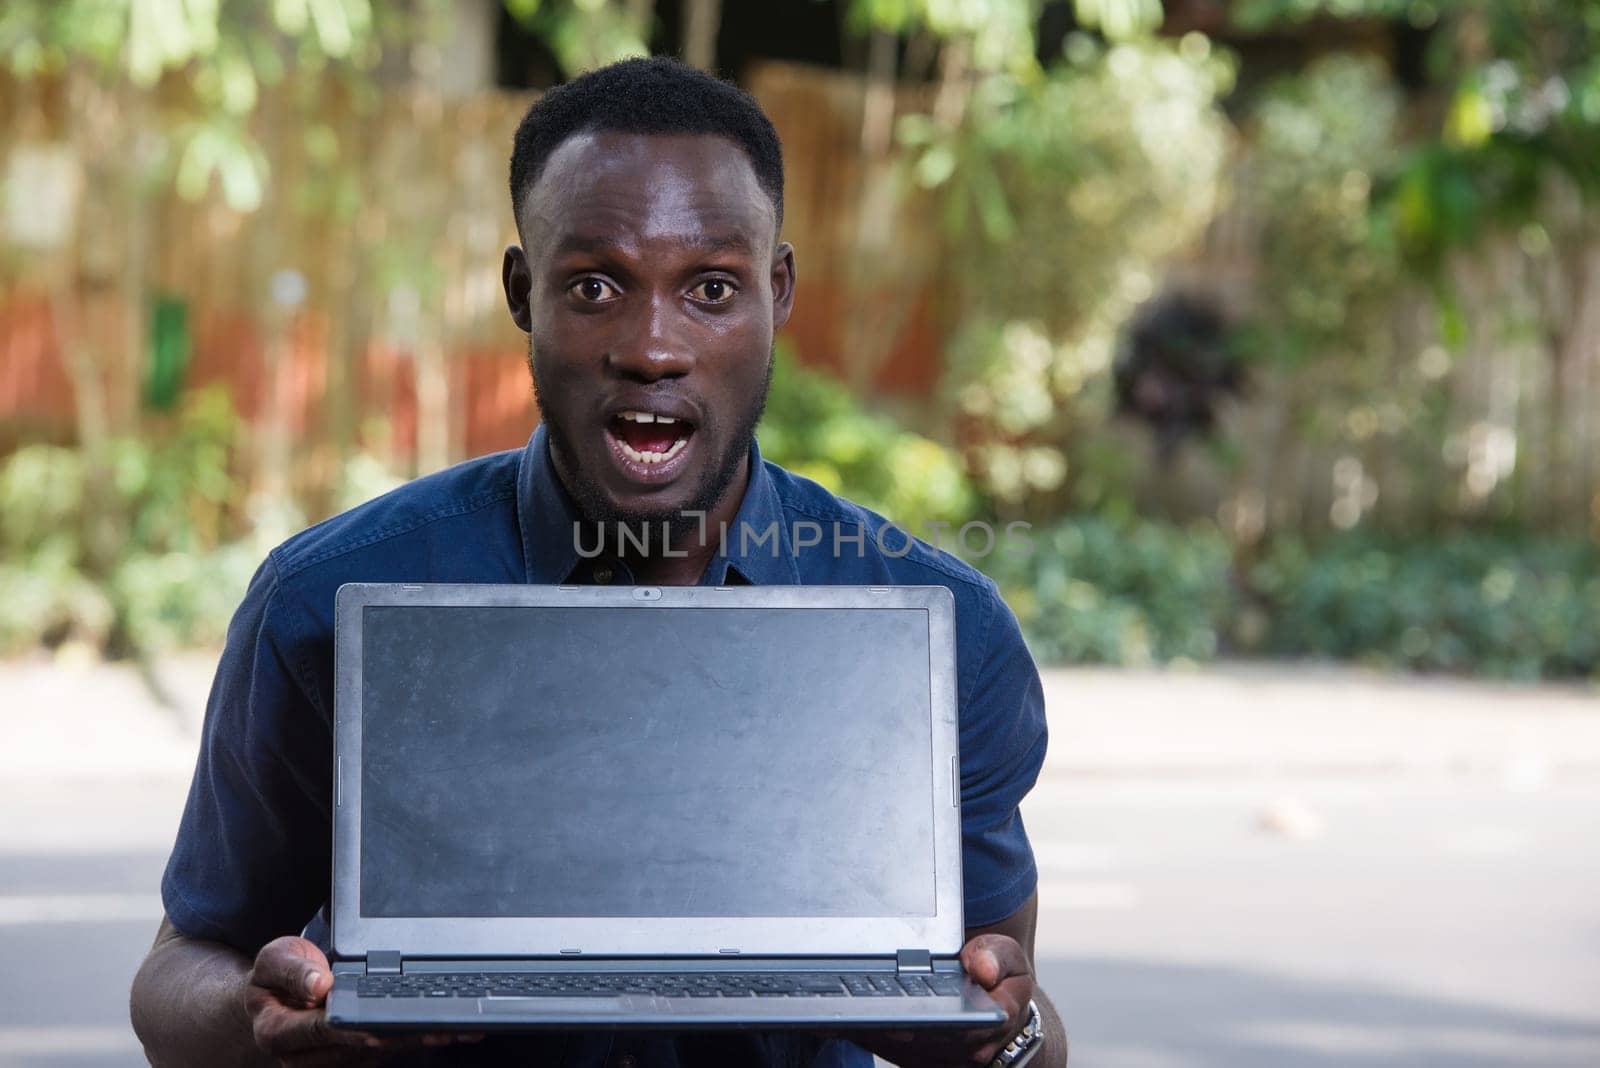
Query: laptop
[(642, 807)]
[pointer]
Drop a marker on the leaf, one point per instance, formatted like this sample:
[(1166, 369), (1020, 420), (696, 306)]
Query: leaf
[(1471, 120), (999, 224), (935, 166), (292, 16), (332, 23)]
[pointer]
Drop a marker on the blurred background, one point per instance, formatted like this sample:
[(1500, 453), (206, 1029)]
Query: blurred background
[(1278, 320)]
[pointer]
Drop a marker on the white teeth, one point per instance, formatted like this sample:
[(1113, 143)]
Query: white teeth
[(652, 457), (645, 417)]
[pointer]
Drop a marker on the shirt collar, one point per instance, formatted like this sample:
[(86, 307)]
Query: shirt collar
[(756, 548)]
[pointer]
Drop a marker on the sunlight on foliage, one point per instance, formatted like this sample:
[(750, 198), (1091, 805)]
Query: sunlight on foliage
[(817, 428), (1061, 199)]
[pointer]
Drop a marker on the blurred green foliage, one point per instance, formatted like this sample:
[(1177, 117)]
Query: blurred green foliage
[(583, 34), (1095, 590), (181, 573), (190, 543), (995, 35), (1521, 80), (234, 50), (1060, 197), (1100, 591), (1508, 606), (1329, 270), (816, 427), (1064, 191)]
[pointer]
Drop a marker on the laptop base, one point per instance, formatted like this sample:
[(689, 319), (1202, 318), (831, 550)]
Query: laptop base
[(444, 995)]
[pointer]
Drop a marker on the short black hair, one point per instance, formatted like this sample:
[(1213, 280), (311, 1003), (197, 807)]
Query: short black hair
[(658, 95)]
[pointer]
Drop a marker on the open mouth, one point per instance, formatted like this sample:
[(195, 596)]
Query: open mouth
[(649, 442)]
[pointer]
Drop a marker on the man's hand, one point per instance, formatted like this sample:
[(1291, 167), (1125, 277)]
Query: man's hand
[(284, 998), (999, 964)]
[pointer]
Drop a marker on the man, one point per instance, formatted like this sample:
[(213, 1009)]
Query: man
[(650, 281)]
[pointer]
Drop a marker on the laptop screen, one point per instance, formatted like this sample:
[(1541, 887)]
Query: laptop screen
[(663, 762)]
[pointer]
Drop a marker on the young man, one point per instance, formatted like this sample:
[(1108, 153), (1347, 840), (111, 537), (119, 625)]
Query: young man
[(650, 280)]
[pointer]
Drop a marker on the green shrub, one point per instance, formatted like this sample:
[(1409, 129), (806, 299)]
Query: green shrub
[(1090, 590), (173, 574), (1097, 591), (815, 427), (1518, 608), (177, 599)]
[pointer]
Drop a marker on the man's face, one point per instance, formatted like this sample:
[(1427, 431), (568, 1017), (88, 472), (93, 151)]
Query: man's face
[(650, 289)]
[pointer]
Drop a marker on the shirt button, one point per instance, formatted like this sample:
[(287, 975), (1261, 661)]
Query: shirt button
[(603, 574)]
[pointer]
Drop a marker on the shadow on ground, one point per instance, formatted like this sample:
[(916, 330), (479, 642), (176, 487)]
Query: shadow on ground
[(1150, 1014)]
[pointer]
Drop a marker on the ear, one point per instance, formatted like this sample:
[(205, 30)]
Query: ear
[(517, 278), (782, 284)]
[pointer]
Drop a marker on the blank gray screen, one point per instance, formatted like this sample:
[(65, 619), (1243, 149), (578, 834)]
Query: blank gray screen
[(526, 761)]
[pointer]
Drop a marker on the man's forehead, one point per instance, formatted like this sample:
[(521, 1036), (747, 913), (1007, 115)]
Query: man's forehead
[(697, 187)]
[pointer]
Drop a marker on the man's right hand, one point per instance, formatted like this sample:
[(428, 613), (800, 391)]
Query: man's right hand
[(285, 998)]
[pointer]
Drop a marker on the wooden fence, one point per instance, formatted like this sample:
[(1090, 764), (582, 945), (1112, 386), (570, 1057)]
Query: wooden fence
[(360, 305), (362, 298)]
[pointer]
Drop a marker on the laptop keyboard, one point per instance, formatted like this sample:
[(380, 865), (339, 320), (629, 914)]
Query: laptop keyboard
[(690, 985)]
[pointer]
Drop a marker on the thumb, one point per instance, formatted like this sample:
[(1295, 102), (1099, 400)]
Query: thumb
[(294, 967), (982, 964), (315, 982)]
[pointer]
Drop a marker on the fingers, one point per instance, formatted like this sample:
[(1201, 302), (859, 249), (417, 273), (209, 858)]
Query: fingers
[(304, 1037), (289, 983), (293, 968), (286, 1032)]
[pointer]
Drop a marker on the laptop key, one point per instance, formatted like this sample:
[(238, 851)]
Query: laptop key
[(914, 986)]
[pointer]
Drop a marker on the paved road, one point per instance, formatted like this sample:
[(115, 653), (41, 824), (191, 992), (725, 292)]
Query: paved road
[(1422, 926), (1417, 888)]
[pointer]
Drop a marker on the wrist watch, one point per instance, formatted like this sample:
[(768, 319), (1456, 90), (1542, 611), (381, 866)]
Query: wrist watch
[(1021, 1049)]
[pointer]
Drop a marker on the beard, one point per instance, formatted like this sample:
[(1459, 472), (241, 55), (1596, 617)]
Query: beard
[(590, 498)]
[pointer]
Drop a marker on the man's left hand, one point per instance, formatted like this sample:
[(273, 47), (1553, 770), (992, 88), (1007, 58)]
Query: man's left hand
[(995, 962)]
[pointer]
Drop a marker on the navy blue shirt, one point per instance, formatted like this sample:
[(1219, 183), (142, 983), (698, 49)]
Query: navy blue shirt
[(253, 854)]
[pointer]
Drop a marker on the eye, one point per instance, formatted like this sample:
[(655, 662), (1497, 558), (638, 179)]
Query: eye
[(714, 291), (593, 290)]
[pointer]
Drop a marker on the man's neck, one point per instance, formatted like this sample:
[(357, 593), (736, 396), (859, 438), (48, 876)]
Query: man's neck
[(682, 560)]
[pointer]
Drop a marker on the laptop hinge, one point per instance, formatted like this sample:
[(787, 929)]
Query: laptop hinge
[(913, 961), (383, 962)]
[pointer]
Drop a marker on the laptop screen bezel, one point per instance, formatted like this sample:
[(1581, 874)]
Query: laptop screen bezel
[(354, 935)]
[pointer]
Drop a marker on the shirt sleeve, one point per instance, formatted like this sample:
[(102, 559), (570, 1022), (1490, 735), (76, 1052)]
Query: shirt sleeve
[(253, 853), (1003, 738)]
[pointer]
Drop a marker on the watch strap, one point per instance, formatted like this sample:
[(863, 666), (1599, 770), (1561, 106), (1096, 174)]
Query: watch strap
[(1027, 1042)]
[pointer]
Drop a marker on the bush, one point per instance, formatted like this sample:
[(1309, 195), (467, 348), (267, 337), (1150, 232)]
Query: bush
[(1097, 591), (1091, 590), (172, 576), (1493, 605), (815, 427)]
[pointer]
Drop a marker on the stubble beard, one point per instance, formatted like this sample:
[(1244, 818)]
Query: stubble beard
[(591, 500)]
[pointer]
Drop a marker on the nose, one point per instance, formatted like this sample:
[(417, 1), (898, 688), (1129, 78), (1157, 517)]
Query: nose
[(657, 345)]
